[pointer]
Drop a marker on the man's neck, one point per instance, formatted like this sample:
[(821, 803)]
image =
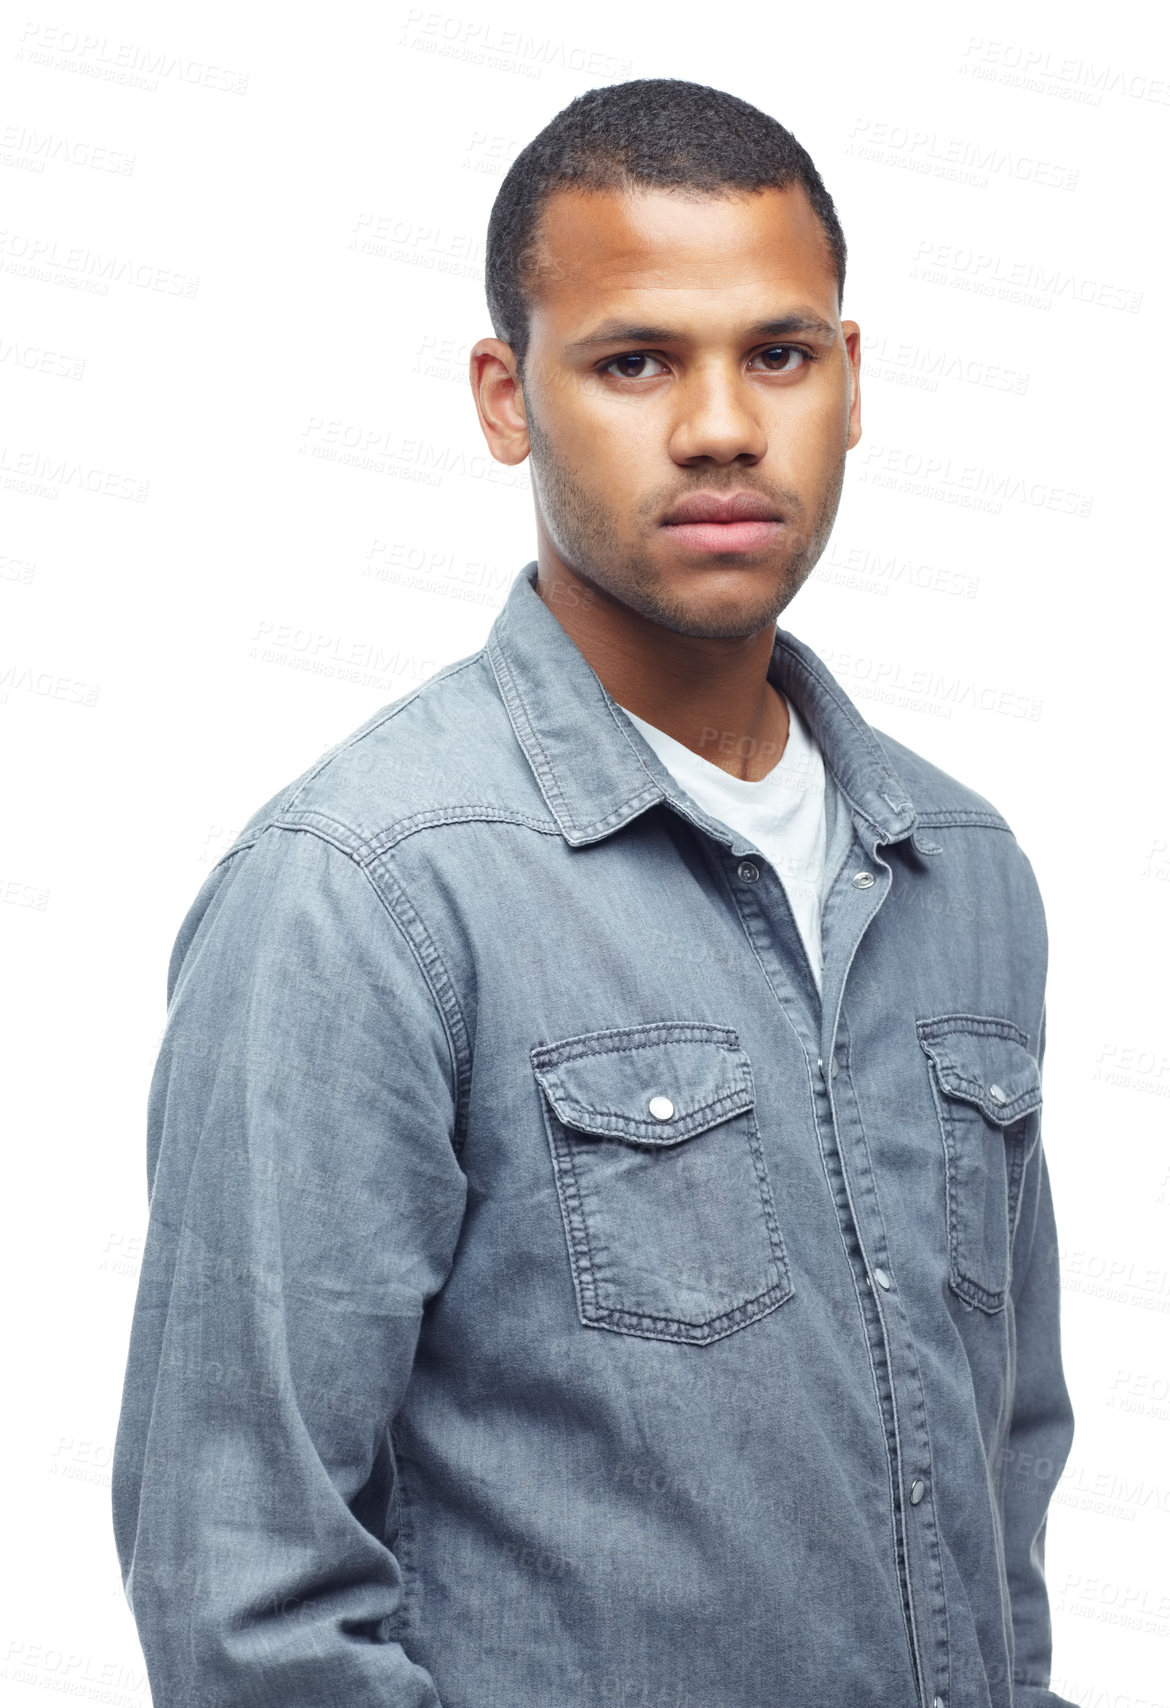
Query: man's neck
[(712, 695)]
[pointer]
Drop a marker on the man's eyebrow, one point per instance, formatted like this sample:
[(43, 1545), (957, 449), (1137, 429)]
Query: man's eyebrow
[(623, 332), (790, 323)]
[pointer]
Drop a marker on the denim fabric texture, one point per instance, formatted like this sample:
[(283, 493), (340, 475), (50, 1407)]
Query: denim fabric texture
[(550, 1300)]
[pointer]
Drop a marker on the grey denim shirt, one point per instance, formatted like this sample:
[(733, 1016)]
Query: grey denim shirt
[(549, 1299)]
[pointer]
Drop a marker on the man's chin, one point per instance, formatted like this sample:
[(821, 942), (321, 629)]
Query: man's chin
[(745, 589), (710, 606)]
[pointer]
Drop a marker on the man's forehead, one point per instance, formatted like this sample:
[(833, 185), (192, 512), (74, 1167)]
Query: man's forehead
[(621, 242)]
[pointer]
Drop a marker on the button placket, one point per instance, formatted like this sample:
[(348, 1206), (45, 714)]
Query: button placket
[(883, 1307), (918, 1571), (883, 1302)]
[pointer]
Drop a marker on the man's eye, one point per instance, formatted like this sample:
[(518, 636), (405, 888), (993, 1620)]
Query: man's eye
[(782, 358), (634, 366)]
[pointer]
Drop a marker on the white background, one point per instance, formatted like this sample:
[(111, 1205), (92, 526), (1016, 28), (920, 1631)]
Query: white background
[(239, 242)]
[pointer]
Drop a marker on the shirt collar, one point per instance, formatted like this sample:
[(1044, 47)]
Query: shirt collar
[(595, 771)]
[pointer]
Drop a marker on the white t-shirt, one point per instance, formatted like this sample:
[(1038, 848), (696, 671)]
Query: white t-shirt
[(783, 814)]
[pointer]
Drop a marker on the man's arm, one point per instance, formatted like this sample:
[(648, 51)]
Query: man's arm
[(305, 1202), (1040, 1435)]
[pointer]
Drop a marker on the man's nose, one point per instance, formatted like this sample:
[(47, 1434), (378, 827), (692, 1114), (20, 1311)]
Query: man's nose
[(717, 420)]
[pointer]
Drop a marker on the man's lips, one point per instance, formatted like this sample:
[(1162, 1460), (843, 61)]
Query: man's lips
[(737, 522)]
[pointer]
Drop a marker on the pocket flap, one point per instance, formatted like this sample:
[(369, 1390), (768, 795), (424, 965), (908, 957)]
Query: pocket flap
[(652, 1085), (984, 1061)]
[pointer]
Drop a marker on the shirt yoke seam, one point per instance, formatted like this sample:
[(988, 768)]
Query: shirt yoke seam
[(369, 848), (958, 818)]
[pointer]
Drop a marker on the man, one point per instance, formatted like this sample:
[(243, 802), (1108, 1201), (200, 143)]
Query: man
[(601, 1249)]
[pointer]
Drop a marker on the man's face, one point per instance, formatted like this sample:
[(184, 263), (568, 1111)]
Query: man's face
[(690, 395)]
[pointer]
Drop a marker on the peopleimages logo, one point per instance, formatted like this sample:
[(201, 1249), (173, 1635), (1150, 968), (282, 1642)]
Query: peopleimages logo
[(35, 359), (866, 569), (46, 476), (33, 149), (1031, 283), (1065, 75), (474, 580), (956, 158), (45, 685), (128, 63), (383, 450), (52, 261), (320, 652), (478, 41), (965, 484), (920, 366), (895, 682), (391, 237)]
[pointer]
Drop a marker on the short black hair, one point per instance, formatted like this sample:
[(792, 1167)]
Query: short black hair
[(653, 132)]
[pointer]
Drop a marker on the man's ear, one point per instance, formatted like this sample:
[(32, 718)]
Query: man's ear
[(499, 400), (852, 334)]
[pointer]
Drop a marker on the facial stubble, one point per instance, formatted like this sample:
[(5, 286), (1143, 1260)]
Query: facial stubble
[(586, 539)]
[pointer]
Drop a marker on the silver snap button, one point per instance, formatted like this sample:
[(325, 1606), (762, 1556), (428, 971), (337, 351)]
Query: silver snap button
[(882, 1280), (863, 880), (748, 872), (938, 1703), (661, 1108), (997, 1094), (917, 1490)]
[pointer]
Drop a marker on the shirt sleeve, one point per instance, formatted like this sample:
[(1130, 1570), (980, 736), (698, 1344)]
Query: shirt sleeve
[(305, 1203), (1040, 1435)]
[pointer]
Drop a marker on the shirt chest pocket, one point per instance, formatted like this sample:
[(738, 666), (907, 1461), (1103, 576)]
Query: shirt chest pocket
[(986, 1085), (669, 1217)]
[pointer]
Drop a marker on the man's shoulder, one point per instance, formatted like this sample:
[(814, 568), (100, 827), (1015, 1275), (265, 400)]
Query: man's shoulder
[(982, 871), (435, 753), (940, 800)]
